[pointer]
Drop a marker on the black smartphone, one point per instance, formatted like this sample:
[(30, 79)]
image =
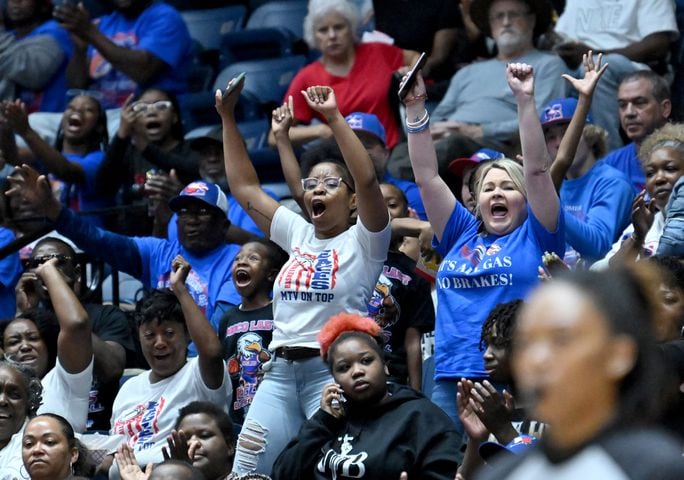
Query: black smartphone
[(411, 79), (236, 82)]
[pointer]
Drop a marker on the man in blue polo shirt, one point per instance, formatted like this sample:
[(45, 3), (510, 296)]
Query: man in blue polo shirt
[(202, 226)]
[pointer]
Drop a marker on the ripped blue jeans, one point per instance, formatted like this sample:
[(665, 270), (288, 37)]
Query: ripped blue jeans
[(289, 394)]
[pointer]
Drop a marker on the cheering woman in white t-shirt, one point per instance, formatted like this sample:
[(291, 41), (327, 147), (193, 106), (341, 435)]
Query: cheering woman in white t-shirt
[(333, 267)]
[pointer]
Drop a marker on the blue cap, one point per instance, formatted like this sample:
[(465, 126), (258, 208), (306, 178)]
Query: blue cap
[(202, 191), (457, 166), (517, 446), (560, 110), (367, 122)]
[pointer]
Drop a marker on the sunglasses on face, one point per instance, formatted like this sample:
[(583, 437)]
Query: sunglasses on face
[(330, 184), (158, 106), (35, 262)]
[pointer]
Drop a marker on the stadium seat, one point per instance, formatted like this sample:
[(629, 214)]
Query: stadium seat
[(258, 43), (267, 80), (282, 14), (207, 26)]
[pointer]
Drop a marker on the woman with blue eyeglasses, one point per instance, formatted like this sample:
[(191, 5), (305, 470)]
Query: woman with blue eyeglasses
[(149, 142), (78, 152), (333, 267)]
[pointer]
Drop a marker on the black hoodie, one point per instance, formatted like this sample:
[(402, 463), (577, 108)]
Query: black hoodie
[(406, 432)]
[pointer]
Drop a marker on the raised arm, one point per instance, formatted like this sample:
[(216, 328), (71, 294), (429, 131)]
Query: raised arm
[(585, 87), (541, 194), (74, 344), (242, 177), (370, 204), (437, 197), (281, 121), (209, 349), (16, 117), (120, 251), (112, 172)]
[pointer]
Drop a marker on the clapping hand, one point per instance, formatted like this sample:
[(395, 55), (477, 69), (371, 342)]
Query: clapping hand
[(179, 448), (15, 116), (35, 190), (128, 465), (643, 214), (468, 411), (75, 19)]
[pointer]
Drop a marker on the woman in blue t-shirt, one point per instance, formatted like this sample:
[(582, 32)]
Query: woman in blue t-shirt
[(79, 150), (490, 256)]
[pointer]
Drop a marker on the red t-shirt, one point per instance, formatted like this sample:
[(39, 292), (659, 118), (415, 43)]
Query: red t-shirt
[(364, 89)]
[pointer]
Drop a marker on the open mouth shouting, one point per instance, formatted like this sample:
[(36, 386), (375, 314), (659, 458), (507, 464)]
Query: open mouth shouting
[(74, 124), (242, 277), (153, 127), (499, 210), (317, 208)]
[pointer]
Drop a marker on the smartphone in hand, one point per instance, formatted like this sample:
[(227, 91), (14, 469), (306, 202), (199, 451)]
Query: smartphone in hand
[(236, 81), (411, 76)]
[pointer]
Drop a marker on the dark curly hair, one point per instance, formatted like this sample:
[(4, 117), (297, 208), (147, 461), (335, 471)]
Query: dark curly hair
[(326, 152), (277, 257), (222, 419), (47, 325), (672, 268), (158, 306), (502, 316), (31, 382)]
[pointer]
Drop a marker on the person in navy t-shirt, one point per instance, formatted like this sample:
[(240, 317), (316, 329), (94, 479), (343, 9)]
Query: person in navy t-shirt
[(142, 44)]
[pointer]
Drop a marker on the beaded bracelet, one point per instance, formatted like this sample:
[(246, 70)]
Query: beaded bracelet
[(411, 99)]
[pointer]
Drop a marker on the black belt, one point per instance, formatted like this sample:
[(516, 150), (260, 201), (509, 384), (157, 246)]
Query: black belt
[(297, 353)]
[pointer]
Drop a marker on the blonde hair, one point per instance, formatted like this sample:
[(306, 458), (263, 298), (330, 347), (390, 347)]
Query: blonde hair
[(511, 167), (320, 8), (671, 135)]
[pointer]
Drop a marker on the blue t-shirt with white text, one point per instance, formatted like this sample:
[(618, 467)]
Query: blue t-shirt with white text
[(478, 272)]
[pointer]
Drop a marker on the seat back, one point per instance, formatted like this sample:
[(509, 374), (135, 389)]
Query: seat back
[(255, 44), (267, 80), (207, 26), (282, 14)]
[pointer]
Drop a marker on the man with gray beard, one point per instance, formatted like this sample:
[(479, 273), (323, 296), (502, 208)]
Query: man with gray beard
[(479, 109)]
